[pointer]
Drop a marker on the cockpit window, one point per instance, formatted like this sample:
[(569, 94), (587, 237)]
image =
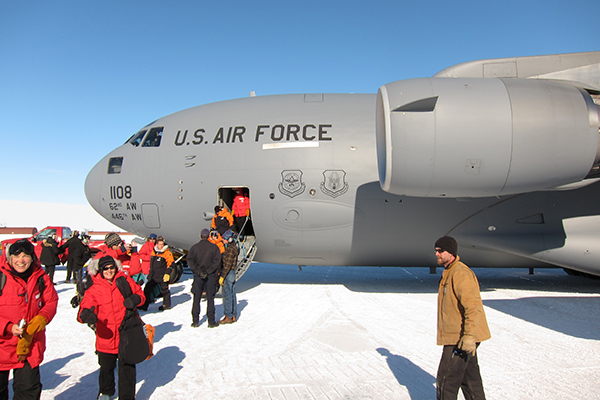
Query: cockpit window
[(114, 165), (136, 139), (153, 138)]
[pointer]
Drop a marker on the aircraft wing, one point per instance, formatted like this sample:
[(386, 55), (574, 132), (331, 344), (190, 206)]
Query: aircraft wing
[(582, 68)]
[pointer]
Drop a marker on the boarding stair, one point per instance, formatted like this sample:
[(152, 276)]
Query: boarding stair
[(247, 252)]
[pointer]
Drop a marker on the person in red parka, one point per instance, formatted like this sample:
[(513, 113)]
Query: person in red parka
[(241, 209), (103, 305), (135, 264), (28, 297), (113, 246), (145, 254)]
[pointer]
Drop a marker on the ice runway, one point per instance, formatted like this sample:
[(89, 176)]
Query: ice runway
[(348, 333)]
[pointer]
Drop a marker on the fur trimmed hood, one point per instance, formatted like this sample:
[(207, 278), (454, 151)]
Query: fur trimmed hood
[(158, 251), (92, 267)]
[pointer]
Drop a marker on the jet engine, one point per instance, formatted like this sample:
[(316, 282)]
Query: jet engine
[(479, 137)]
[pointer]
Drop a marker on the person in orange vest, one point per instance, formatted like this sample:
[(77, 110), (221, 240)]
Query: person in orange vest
[(160, 273), (222, 221), (216, 238)]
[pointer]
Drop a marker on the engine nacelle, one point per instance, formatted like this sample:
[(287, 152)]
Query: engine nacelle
[(475, 137)]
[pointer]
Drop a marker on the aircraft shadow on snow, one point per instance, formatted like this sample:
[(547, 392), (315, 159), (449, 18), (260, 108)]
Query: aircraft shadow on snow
[(574, 316), (412, 280), (566, 314)]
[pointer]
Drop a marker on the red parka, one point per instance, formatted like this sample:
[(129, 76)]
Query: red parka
[(19, 300), (135, 265), (145, 254), (241, 205), (107, 300), (118, 254)]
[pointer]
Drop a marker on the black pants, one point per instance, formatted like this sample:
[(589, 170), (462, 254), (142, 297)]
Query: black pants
[(459, 369), (27, 384), (50, 271), (106, 378), (239, 223), (70, 267), (164, 290), (209, 284)]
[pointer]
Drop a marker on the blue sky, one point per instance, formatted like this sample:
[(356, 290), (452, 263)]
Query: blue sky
[(77, 78)]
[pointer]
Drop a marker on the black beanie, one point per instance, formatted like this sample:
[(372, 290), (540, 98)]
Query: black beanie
[(106, 261), (447, 243)]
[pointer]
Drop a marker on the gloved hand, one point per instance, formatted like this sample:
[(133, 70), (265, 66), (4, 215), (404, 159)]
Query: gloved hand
[(221, 281), (23, 347), (166, 278), (467, 344), (132, 301), (88, 316), (37, 324)]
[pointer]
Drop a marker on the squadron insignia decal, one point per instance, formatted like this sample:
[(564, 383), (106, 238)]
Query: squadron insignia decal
[(291, 183), (334, 183)]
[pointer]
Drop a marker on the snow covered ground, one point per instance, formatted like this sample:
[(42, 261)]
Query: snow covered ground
[(348, 333)]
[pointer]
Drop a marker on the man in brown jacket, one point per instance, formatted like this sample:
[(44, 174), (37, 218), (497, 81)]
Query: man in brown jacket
[(461, 325), (228, 278)]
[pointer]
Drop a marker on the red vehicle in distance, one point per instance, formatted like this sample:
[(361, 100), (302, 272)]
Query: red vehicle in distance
[(62, 233)]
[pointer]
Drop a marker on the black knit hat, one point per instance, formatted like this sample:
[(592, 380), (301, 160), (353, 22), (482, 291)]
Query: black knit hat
[(448, 244), (105, 262)]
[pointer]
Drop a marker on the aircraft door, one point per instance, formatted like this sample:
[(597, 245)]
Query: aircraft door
[(237, 200)]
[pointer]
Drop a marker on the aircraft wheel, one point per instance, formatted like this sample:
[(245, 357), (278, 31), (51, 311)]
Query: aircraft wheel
[(176, 272)]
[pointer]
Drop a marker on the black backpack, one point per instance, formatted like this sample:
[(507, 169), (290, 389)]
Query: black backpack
[(133, 343), (82, 285)]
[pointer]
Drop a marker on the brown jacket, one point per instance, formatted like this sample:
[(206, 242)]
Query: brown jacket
[(460, 309)]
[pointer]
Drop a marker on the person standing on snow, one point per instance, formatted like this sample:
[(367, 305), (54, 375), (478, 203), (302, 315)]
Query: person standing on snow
[(104, 307), (145, 254), (49, 256), (73, 246), (160, 273), (204, 259), (29, 298), (461, 325), (228, 278)]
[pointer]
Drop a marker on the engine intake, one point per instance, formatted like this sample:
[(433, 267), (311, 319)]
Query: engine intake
[(478, 137)]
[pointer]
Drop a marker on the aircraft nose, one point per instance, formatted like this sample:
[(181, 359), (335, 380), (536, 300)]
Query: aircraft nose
[(93, 187)]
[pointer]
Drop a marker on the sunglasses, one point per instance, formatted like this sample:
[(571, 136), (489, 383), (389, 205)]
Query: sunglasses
[(21, 246), (110, 267)]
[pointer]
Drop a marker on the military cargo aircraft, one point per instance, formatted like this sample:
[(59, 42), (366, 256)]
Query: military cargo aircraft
[(502, 154)]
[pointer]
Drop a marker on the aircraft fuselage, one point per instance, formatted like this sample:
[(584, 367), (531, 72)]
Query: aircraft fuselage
[(310, 165)]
